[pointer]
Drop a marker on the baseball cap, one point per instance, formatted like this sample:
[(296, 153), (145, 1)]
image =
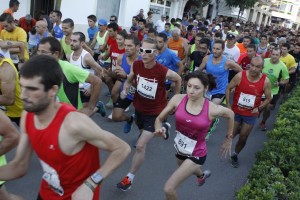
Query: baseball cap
[(28, 17), (237, 24), (217, 27), (102, 22), (230, 36)]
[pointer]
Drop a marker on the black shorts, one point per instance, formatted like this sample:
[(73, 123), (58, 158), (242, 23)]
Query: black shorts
[(122, 103), (217, 96), (145, 122), (292, 79), (197, 160), (84, 98)]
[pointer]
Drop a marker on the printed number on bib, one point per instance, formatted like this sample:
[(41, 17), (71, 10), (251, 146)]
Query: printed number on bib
[(184, 144), (246, 100), (146, 88), (51, 177)]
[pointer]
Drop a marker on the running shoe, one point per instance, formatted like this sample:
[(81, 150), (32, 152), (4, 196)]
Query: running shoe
[(127, 109), (110, 116), (212, 128), (109, 104), (262, 126), (201, 180), (125, 184), (128, 125), (234, 161), (167, 126), (101, 108)]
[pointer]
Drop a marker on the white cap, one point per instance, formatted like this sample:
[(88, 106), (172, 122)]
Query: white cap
[(237, 24)]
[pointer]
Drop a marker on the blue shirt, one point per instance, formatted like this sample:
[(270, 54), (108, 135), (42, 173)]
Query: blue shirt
[(92, 32), (169, 34), (58, 33), (220, 72), (169, 59)]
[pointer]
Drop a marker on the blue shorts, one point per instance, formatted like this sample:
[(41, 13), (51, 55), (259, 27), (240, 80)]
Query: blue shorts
[(247, 119)]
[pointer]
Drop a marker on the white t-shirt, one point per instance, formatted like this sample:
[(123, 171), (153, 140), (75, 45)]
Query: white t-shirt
[(232, 54), (160, 25)]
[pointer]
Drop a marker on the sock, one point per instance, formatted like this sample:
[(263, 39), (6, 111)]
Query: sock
[(130, 176)]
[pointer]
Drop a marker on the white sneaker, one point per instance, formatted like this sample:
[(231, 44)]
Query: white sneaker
[(110, 116), (127, 109)]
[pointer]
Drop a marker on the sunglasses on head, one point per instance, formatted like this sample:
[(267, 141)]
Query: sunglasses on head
[(148, 51)]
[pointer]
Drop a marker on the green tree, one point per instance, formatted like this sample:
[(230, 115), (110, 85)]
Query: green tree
[(241, 4)]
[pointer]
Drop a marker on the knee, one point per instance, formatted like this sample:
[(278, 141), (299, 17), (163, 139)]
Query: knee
[(140, 148), (116, 117)]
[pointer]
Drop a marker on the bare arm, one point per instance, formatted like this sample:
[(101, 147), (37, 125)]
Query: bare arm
[(203, 64), (88, 49), (89, 60), (20, 163), (173, 76), (180, 68), (8, 84), (93, 43), (90, 132), (233, 83), (95, 90), (9, 133), (129, 80), (268, 95), (234, 66)]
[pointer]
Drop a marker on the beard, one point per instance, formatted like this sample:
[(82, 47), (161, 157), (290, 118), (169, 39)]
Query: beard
[(38, 107)]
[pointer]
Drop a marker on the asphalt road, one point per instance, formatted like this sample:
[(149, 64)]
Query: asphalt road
[(160, 163)]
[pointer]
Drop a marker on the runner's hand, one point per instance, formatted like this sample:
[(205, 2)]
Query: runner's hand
[(226, 148), (86, 111), (83, 192), (160, 132)]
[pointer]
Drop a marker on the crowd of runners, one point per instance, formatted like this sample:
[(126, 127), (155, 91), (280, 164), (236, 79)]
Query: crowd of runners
[(197, 69)]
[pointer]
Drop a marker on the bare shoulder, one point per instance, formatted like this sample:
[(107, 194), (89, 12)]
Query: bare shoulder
[(176, 99)]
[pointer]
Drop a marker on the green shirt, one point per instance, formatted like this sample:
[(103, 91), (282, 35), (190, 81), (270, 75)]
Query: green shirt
[(67, 48), (273, 72), (69, 89)]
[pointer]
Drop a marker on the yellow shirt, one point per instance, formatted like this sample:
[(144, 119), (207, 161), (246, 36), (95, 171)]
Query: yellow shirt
[(289, 61), (18, 34), (16, 109)]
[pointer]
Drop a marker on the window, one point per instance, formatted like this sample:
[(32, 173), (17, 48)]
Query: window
[(282, 7)]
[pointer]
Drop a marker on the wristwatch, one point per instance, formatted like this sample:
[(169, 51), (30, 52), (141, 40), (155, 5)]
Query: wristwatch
[(97, 178)]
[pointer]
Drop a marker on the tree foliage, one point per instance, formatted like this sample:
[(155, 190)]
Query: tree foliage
[(242, 4)]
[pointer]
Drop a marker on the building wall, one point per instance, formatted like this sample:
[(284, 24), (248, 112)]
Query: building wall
[(24, 8)]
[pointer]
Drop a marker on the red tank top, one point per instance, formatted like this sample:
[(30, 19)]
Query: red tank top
[(114, 54), (63, 174), (247, 95), (150, 97)]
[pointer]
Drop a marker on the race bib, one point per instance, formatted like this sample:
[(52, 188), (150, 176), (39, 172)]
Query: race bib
[(15, 58), (183, 144), (246, 100), (146, 88), (51, 177)]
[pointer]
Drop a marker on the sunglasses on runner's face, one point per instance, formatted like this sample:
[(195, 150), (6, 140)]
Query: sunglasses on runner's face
[(148, 51)]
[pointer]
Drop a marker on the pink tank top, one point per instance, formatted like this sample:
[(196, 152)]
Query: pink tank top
[(191, 129)]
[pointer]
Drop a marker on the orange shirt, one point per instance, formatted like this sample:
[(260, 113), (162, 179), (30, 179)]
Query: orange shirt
[(23, 24), (242, 48), (177, 47)]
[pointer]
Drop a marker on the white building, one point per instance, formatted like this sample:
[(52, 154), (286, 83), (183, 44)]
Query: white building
[(78, 10)]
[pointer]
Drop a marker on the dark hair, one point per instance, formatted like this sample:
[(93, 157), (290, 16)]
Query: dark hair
[(150, 41), (208, 80), (92, 17), (163, 36), (134, 39), (297, 44), (287, 45), (68, 21), (203, 29), (220, 42), (136, 18), (5, 17), (123, 33), (273, 44), (13, 3), (149, 25), (81, 36), (200, 34), (45, 67), (114, 16), (58, 13), (263, 36), (149, 13), (54, 43), (247, 37), (152, 30), (167, 24), (205, 41), (143, 21), (173, 20), (252, 46), (113, 25), (218, 34)]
